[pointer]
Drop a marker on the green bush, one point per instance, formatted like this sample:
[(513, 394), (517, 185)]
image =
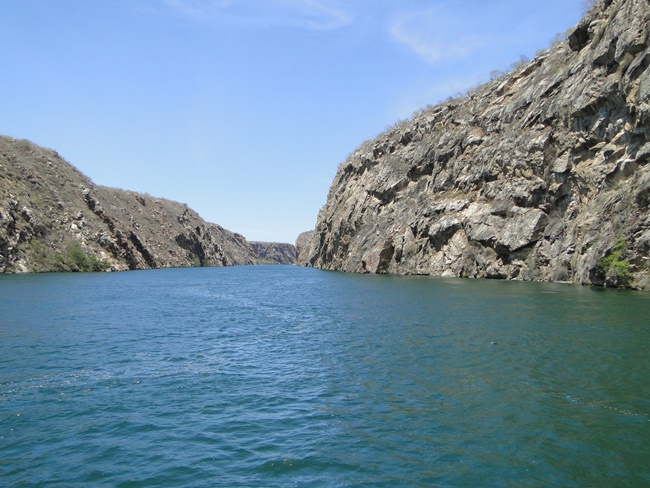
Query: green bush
[(75, 258), (614, 269), (40, 256)]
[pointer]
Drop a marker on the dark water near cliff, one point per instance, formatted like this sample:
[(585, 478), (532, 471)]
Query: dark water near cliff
[(282, 376)]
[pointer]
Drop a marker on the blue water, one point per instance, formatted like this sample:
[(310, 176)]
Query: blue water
[(283, 376)]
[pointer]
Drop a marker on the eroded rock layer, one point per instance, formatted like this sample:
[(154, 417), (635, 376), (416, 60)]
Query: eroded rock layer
[(274, 252), (53, 218), (541, 174)]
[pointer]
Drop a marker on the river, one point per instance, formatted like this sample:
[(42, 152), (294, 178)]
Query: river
[(284, 376)]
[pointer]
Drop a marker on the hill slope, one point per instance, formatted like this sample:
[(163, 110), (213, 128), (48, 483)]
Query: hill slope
[(274, 252), (541, 174), (53, 218)]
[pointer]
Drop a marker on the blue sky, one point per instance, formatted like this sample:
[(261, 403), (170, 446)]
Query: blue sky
[(243, 109)]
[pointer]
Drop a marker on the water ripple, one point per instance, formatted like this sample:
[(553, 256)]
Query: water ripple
[(281, 376)]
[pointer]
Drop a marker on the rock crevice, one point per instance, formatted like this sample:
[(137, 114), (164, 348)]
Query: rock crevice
[(53, 218), (533, 176)]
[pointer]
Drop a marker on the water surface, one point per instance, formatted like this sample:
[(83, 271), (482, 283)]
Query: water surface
[(284, 376)]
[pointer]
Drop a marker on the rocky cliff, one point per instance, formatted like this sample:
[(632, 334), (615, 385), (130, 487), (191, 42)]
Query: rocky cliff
[(303, 248), (53, 218), (274, 252), (540, 174)]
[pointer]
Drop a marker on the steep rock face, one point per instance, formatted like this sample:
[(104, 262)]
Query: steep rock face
[(274, 252), (303, 248), (53, 218), (536, 175)]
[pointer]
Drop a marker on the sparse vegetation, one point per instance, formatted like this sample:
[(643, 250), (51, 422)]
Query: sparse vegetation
[(46, 204), (496, 73), (41, 255), (75, 258), (587, 5), (395, 125), (614, 269), (560, 37), (520, 63)]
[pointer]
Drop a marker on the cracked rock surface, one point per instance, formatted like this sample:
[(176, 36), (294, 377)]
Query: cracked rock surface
[(532, 176), (46, 205)]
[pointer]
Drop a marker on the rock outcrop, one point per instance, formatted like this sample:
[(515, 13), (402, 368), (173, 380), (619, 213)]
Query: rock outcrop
[(303, 247), (541, 174), (274, 252), (53, 218)]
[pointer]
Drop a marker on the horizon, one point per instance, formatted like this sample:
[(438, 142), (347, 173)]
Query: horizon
[(243, 109)]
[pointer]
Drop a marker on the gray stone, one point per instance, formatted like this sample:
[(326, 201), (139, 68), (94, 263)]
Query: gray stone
[(548, 161), (43, 212)]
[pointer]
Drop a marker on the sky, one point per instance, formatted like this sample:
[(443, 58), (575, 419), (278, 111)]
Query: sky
[(244, 109)]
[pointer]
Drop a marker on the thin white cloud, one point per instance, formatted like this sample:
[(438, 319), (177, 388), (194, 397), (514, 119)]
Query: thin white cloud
[(434, 35), (307, 14), (452, 31)]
